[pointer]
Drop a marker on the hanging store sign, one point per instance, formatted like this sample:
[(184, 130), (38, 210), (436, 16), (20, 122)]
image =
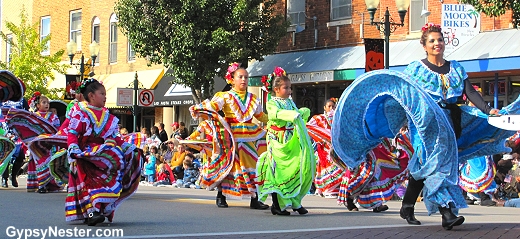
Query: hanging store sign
[(459, 23), (311, 77)]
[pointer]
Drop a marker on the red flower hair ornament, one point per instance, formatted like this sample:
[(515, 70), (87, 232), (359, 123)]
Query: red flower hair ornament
[(429, 25), (232, 68), (267, 81), (35, 99)]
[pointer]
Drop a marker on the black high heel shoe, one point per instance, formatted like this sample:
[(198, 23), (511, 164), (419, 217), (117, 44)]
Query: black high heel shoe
[(276, 211), (95, 218), (301, 210)]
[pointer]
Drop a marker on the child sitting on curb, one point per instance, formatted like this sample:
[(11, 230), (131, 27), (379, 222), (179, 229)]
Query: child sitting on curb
[(191, 174)]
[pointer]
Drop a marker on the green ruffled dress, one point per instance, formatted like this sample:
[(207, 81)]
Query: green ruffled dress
[(288, 166)]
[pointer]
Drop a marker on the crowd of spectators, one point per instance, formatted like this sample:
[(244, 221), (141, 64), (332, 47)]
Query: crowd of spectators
[(168, 161)]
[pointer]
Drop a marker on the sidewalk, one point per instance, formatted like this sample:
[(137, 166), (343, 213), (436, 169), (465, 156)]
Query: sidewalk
[(470, 230)]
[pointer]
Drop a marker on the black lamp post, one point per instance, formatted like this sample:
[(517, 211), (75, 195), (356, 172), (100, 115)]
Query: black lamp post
[(71, 51), (387, 25), (136, 85)]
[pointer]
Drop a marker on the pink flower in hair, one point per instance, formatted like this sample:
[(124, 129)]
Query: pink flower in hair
[(278, 71), (232, 68), (429, 25)]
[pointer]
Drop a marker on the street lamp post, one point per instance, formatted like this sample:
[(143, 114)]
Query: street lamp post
[(136, 89), (387, 24), (71, 51), (136, 85)]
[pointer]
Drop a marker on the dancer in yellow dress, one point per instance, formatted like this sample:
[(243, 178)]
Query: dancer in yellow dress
[(238, 141)]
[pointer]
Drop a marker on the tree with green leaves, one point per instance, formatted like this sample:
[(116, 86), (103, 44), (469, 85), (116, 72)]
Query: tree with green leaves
[(495, 8), (198, 39), (26, 59)]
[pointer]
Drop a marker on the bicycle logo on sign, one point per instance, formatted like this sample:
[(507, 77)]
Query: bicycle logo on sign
[(449, 37)]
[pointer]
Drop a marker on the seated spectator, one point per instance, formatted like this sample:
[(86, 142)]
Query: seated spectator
[(177, 159), (164, 175), (503, 165), (191, 174), (508, 191), (150, 166), (170, 151)]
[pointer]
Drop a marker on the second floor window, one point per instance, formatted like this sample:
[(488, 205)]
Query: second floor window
[(113, 39), (45, 30), (75, 28), (131, 52), (416, 21), (95, 33), (296, 11), (8, 48), (341, 9)]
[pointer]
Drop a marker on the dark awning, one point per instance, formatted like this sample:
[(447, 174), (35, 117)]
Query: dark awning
[(167, 94)]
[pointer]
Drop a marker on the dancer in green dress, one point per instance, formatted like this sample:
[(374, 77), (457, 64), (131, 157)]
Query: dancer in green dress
[(286, 170)]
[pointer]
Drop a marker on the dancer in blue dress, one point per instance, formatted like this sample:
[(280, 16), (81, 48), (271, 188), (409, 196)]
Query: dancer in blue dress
[(443, 134)]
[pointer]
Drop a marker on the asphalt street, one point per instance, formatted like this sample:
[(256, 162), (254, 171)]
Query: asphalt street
[(179, 213)]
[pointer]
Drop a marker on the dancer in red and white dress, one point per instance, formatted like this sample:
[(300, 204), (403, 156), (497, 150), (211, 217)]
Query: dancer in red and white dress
[(104, 170), (328, 173)]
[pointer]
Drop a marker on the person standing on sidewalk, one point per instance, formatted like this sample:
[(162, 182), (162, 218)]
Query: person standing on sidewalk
[(163, 136)]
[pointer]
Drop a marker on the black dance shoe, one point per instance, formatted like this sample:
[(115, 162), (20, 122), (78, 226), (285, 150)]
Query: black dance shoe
[(95, 218), (381, 208), (276, 211), (301, 210), (255, 204), (221, 202), (351, 206), (408, 214), (449, 220), (14, 182)]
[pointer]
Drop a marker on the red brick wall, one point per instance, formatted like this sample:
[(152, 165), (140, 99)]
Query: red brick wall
[(349, 34)]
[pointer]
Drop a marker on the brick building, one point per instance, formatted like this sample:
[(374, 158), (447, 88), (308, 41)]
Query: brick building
[(10, 11), (116, 65), (323, 50)]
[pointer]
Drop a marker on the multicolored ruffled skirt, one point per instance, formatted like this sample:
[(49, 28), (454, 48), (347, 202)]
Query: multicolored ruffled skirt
[(374, 182), (101, 179)]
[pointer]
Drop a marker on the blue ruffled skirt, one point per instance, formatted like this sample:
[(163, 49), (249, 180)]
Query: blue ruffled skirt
[(377, 104)]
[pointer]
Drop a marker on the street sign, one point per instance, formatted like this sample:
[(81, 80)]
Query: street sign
[(146, 98), (125, 96)]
